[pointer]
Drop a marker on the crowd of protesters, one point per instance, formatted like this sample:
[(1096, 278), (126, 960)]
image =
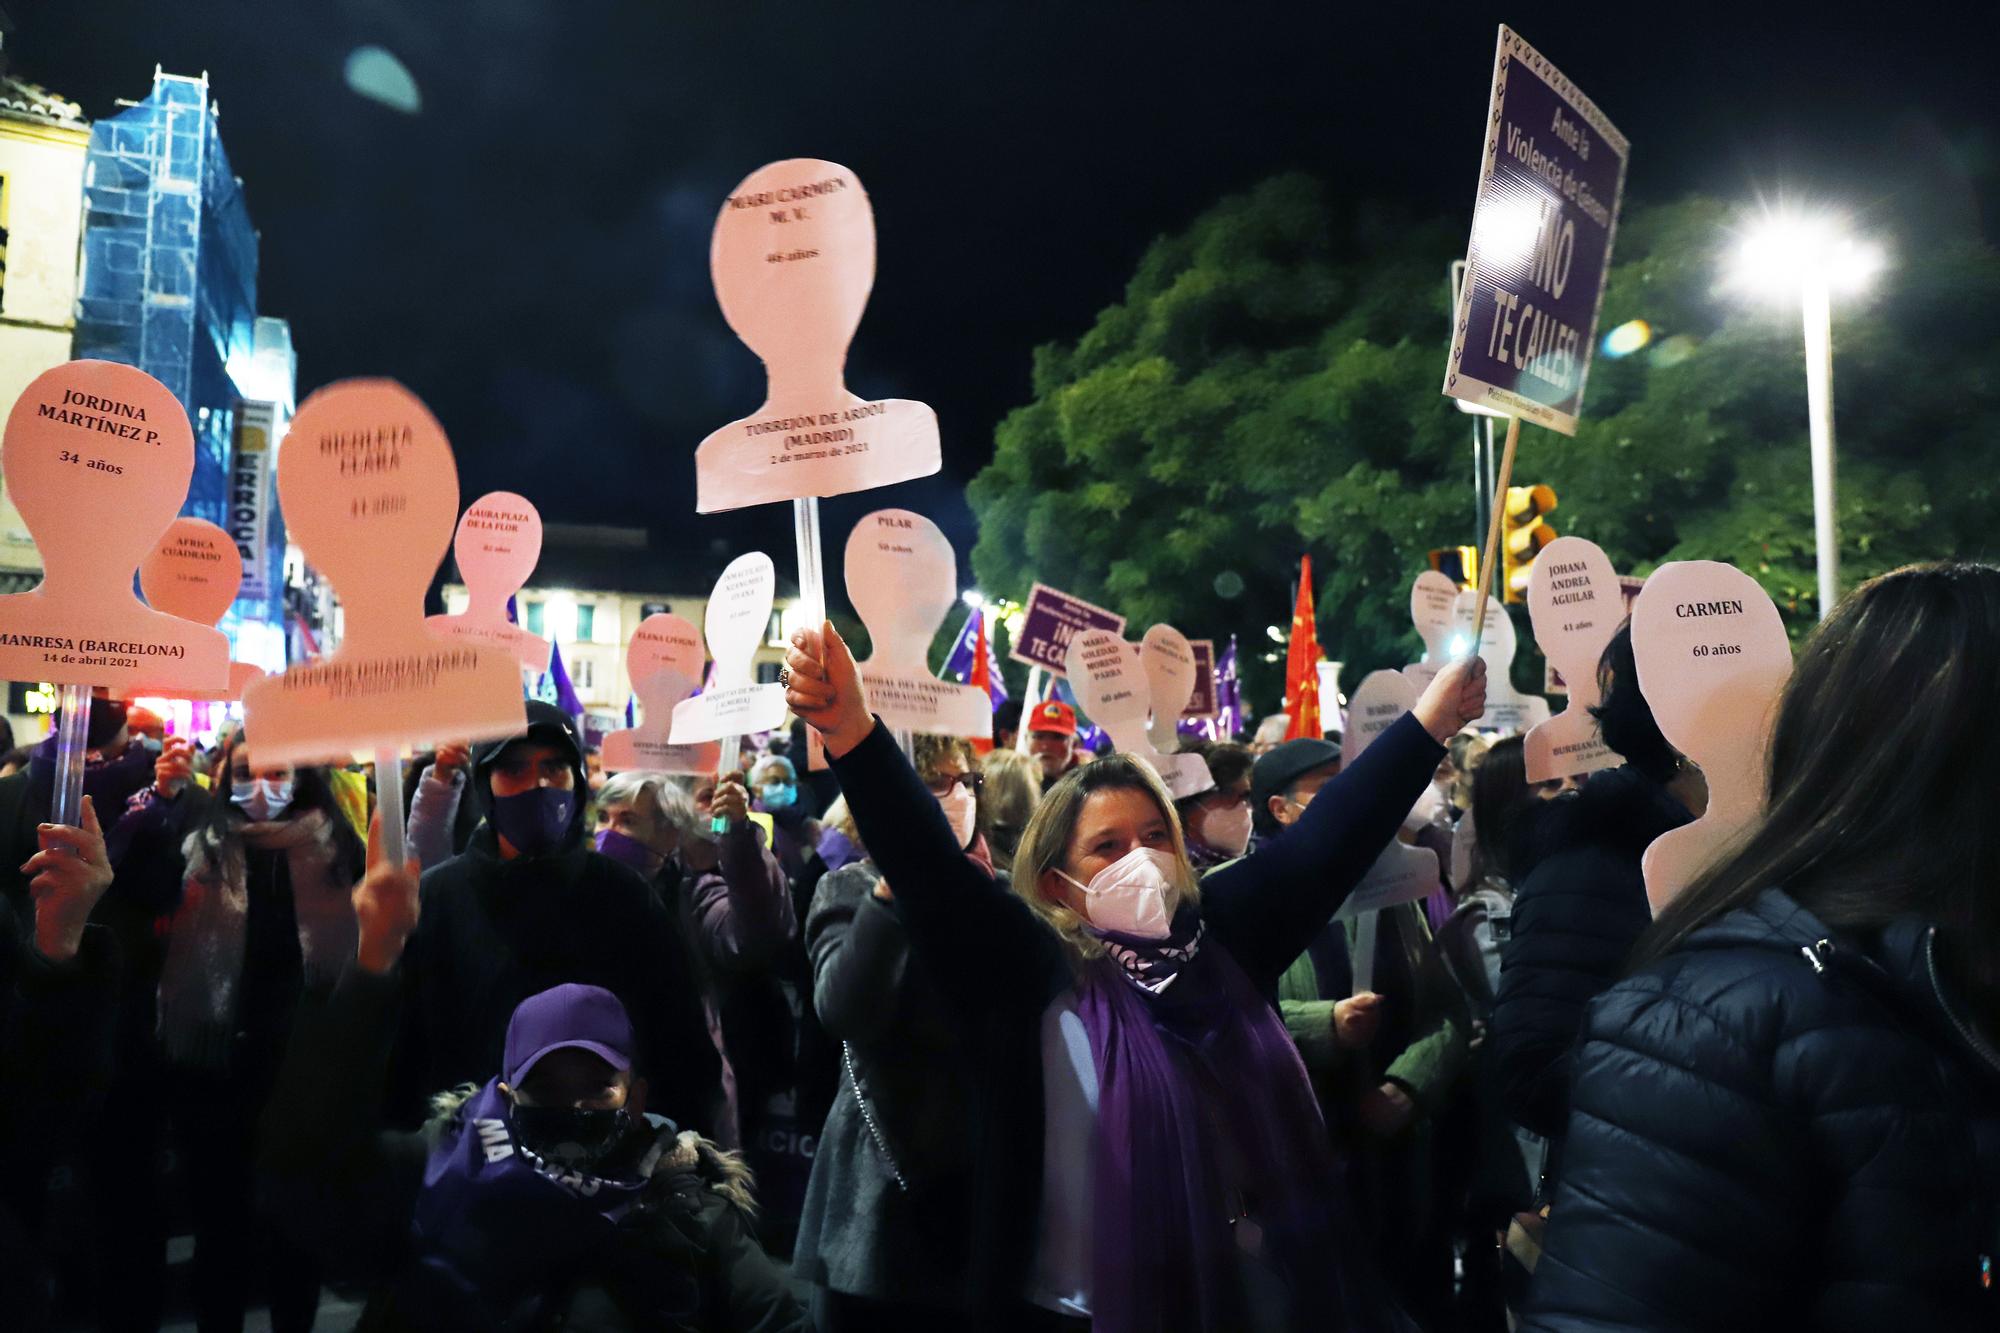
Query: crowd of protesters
[(1006, 1037)]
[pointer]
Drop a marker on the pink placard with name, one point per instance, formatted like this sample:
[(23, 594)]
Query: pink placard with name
[(902, 581), (194, 573), (499, 539), (735, 704), (97, 458), (1112, 690), (793, 258), (1576, 605), (1167, 658), (370, 494), (664, 662)]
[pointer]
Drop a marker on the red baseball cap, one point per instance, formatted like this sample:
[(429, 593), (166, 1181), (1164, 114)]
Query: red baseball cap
[(1055, 716)]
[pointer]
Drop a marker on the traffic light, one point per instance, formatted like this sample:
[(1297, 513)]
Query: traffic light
[(1523, 532), (1460, 564)]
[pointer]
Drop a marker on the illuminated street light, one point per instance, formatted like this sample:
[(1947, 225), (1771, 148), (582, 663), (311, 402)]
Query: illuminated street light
[(973, 598), (1789, 255)]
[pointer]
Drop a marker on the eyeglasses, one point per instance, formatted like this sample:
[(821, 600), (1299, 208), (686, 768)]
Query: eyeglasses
[(941, 786)]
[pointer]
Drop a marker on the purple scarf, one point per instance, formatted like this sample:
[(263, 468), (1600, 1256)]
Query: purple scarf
[(1218, 1203)]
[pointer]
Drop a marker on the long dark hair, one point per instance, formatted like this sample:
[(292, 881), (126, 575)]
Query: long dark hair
[(1624, 718), (311, 790), (1502, 802), (1880, 783)]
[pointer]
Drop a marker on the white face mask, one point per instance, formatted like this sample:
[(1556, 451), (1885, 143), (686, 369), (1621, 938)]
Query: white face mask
[(262, 798), (1227, 830), (961, 811), (1134, 895)]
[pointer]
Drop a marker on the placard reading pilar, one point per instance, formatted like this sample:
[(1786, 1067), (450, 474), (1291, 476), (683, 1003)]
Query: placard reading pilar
[(1576, 605), (664, 662), (370, 494), (1713, 659), (499, 539), (1112, 690), (902, 581), (97, 458), (793, 259), (739, 610), (194, 573), (1401, 873)]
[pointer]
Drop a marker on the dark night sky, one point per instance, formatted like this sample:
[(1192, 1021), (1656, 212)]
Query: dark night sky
[(530, 252)]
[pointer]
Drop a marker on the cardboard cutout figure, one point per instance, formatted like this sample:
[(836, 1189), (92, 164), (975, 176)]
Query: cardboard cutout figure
[(739, 610), (903, 581), (664, 661), (1713, 658), (1507, 709), (1576, 605), (1402, 873), (1113, 692), (194, 573), (97, 458), (370, 493), (1167, 658), (793, 259), (499, 539)]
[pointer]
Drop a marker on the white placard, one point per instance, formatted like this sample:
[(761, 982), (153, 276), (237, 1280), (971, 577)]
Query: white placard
[(739, 610), (1576, 605), (1167, 658), (903, 580), (1113, 692), (1380, 699), (664, 661)]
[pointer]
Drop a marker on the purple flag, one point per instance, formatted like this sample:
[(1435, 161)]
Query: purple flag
[(958, 662), (555, 686), (1228, 693)]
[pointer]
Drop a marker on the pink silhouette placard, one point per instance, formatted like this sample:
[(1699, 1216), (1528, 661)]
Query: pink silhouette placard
[(498, 541), (370, 494), (1401, 873), (1713, 659), (739, 611), (663, 660), (1167, 658), (902, 581), (194, 573), (1576, 604), (97, 458), (793, 259), (1112, 690)]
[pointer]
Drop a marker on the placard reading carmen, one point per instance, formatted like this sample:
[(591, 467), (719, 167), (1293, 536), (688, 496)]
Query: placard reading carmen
[(902, 582), (370, 494), (195, 573), (497, 544), (1112, 690), (738, 611), (97, 458), (1576, 605), (1550, 181), (793, 258), (664, 662)]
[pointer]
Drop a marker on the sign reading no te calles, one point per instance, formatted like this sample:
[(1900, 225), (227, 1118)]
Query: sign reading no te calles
[(1550, 181)]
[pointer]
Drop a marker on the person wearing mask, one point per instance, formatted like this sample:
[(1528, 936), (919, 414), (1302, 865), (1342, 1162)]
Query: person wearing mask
[(884, 1239), (1795, 1094), (1052, 739), (1114, 1014), (795, 828), (1013, 787), (547, 1195), (1218, 822), (530, 904)]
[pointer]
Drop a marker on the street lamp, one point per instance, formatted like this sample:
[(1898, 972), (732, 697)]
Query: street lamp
[(1788, 254)]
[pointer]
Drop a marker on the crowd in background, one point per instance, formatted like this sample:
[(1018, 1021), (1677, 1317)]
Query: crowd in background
[(952, 1035)]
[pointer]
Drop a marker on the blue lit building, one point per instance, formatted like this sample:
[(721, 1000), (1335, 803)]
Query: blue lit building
[(169, 284)]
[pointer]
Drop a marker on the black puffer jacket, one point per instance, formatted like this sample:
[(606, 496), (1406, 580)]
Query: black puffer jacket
[(1576, 917), (1778, 1127)]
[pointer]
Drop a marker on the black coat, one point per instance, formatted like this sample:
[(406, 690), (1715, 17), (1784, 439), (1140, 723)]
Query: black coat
[(1778, 1126), (493, 932), (1577, 915)]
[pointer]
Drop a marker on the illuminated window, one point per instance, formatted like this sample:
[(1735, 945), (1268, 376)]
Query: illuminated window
[(586, 621), (533, 611), (583, 678)]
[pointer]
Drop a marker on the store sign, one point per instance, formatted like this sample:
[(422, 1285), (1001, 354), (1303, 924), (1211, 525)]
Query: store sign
[(258, 427)]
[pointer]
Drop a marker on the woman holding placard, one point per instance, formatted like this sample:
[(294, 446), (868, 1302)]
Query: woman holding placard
[(1117, 1021), (1789, 1116)]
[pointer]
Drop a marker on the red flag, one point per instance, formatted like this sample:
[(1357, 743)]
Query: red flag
[(979, 677), (1302, 662)]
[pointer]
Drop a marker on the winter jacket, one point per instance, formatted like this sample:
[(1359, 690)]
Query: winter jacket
[(687, 1261), (1779, 1126), (1577, 915), (493, 932), (887, 1213), (440, 821), (998, 966)]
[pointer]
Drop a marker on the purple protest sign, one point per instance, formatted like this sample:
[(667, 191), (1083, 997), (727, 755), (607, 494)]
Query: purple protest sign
[(1052, 619), (1201, 704), (1550, 183)]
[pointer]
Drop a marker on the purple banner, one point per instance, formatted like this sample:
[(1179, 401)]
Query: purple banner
[(1549, 188), (1201, 704), (1054, 618)]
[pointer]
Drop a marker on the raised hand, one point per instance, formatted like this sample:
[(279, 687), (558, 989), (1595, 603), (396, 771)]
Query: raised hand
[(385, 905), (174, 769), (452, 756), (65, 879), (824, 688), (1456, 697)]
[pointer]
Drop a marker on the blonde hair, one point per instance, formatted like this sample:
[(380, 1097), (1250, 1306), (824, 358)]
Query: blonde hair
[(1045, 843), (1007, 802)]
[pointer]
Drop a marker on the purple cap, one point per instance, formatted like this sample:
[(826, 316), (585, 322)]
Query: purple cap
[(587, 1017)]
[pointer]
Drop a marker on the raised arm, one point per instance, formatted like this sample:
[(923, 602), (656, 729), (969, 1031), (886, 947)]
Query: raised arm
[(434, 806), (741, 902)]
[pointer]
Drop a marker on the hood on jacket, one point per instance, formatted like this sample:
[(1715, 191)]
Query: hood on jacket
[(548, 725), (1617, 808)]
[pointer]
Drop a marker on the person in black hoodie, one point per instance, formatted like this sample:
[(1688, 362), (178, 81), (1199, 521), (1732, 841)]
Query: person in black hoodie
[(1789, 1115), (529, 905), (1582, 906)]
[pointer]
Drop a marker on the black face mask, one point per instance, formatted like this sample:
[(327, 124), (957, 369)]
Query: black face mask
[(107, 719), (570, 1136)]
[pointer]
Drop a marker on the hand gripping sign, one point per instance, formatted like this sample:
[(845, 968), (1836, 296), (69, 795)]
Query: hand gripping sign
[(499, 539), (370, 492), (793, 259), (1576, 605), (1112, 690), (664, 661), (194, 573), (903, 581), (1401, 873), (739, 610), (97, 458), (1168, 660), (1712, 658), (1507, 709)]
